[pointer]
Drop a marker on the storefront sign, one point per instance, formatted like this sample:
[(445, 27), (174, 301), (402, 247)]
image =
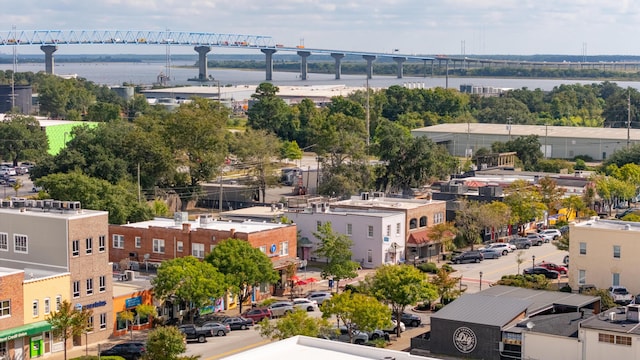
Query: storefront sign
[(26, 330), (95, 304), (464, 339), (133, 302)]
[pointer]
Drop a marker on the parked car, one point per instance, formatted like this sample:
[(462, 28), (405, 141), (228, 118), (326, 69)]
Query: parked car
[(620, 295), (409, 319), (280, 308), (564, 229), (536, 239), (238, 323), (551, 234), (551, 266), (342, 334), (490, 253), (503, 248), (468, 256), (192, 332), (128, 350), (217, 328), (549, 274), (8, 171), (305, 304), (319, 296), (257, 314), (565, 261), (521, 243), (394, 325)]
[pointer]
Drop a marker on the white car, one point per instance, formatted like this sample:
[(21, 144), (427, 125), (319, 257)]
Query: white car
[(394, 323), (551, 234), (503, 248), (305, 304), (319, 297), (280, 308)]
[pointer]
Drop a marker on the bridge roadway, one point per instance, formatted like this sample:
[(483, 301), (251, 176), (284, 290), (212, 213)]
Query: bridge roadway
[(203, 42)]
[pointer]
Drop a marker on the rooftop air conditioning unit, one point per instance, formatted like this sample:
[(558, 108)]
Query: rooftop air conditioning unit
[(40, 204), (48, 203), (6, 203), (56, 204), (18, 203), (64, 205), (30, 203), (633, 313), (74, 205), (129, 275), (364, 196), (378, 194)]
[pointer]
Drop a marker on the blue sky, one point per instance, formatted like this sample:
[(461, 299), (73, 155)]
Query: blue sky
[(519, 27)]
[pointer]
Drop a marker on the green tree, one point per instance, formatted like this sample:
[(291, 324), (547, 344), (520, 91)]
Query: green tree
[(68, 322), (165, 343), (103, 112), (147, 311), (21, 138), (357, 312), (243, 266), (128, 317), (527, 149), (469, 222), (537, 282), (400, 286), (336, 248), (443, 233), (525, 202), (446, 285), (259, 148), (189, 280), (551, 193), (293, 324), (270, 113), (290, 150)]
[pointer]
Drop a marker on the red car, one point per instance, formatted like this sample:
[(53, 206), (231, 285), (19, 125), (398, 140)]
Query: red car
[(257, 314), (551, 266)]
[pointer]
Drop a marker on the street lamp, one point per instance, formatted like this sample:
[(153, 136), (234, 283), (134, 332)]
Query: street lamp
[(480, 280), (394, 250), (533, 259)]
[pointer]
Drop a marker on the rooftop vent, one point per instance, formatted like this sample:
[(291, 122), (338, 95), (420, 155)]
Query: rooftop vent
[(633, 313)]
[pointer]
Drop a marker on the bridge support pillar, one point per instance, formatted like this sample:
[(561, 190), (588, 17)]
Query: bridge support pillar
[(399, 61), (370, 59), (48, 57), (202, 61), (303, 63), (338, 65), (268, 53)]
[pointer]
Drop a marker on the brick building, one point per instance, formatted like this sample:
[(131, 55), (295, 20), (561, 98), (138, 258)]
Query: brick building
[(11, 314), (64, 257)]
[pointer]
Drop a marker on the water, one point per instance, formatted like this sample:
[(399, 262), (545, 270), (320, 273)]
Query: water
[(146, 73)]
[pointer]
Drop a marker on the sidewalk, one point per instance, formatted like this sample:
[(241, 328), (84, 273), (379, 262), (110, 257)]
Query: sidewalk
[(93, 349)]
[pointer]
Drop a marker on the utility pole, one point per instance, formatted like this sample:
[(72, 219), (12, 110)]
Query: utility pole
[(368, 115), (13, 73), (546, 133), (628, 117), (509, 126)]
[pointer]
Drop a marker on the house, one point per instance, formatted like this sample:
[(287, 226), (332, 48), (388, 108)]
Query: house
[(64, 257)]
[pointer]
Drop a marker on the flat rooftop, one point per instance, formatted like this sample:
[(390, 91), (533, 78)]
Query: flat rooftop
[(257, 211), (617, 322), (35, 212), (609, 225), (246, 226), (387, 202)]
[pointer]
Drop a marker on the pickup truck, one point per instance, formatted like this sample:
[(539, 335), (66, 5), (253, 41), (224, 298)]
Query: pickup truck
[(620, 295), (192, 332)]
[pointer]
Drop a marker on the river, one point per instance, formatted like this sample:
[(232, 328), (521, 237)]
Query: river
[(146, 73)]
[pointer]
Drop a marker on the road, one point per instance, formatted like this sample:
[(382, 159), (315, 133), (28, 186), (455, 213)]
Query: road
[(7, 191)]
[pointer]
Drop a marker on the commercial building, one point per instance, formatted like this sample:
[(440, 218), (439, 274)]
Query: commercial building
[(127, 295), (63, 257), (557, 142)]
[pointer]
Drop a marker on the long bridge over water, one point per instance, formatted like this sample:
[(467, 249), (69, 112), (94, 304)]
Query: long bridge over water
[(204, 42)]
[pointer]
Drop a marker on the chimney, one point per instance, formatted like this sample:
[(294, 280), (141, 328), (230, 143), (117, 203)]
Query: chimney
[(186, 227), (232, 233)]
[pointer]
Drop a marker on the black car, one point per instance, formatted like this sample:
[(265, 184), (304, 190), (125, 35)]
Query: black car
[(549, 274), (238, 323), (469, 256), (409, 319), (128, 350)]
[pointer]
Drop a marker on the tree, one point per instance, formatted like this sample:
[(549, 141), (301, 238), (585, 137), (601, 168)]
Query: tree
[(187, 279), (259, 148), (243, 266), (147, 311), (469, 221), (550, 192), (290, 150), (270, 113), (128, 317), (525, 202), (357, 312), (527, 149), (68, 322), (520, 259), (443, 233), (446, 286), (165, 343), (336, 248), (293, 324), (401, 286), (496, 215), (22, 139)]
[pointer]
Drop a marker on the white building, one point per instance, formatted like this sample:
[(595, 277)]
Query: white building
[(378, 237)]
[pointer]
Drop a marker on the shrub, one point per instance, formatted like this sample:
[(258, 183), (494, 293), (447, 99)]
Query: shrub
[(437, 307), (566, 289), (95, 357), (379, 343), (448, 268), (268, 302), (430, 268)]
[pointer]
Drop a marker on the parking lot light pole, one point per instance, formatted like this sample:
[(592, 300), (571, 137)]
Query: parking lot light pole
[(480, 280), (533, 259)]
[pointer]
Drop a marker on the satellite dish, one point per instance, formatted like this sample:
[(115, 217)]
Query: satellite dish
[(146, 256), (530, 325)]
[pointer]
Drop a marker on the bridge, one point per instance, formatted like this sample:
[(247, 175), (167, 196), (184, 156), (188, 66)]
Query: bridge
[(203, 42)]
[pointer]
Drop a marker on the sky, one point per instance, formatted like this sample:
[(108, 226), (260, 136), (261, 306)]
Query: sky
[(425, 27)]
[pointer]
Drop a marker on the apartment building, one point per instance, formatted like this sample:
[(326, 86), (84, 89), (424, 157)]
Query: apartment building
[(61, 250), (604, 253)]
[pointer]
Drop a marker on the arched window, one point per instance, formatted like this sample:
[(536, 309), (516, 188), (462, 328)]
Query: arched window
[(423, 221), (413, 223)]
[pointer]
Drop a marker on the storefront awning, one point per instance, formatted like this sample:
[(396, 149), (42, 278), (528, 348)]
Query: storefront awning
[(36, 328)]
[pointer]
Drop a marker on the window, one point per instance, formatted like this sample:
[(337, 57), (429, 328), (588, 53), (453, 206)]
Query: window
[(615, 339), (369, 256), (58, 302), (90, 323), (398, 228), (413, 223), (4, 242), (623, 340), (388, 230), (158, 246), (20, 243), (76, 289), (180, 246), (89, 286), (103, 321), (284, 248), (583, 248), (438, 218), (47, 306), (615, 279), (35, 308), (616, 251), (118, 241), (102, 241), (75, 248), (370, 231), (318, 225), (5, 308), (89, 244), (607, 338), (582, 277), (102, 283), (211, 247), (197, 250), (349, 229), (138, 242), (423, 221), (263, 248)]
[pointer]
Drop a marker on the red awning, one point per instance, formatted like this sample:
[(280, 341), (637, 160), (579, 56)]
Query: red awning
[(419, 237)]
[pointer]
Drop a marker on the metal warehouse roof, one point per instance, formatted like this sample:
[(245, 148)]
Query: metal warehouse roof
[(540, 299), (484, 310)]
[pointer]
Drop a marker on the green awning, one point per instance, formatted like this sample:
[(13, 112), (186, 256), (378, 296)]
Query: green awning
[(36, 328), (305, 242)]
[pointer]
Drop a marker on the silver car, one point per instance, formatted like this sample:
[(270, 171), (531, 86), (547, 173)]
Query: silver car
[(280, 308), (319, 297), (305, 304), (216, 328)]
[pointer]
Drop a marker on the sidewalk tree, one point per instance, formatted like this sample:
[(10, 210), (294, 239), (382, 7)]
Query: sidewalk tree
[(469, 222), (128, 317), (189, 280), (357, 312), (148, 311), (243, 266), (400, 286), (446, 286), (443, 233), (550, 192), (336, 248), (292, 324), (525, 202), (165, 343), (68, 322)]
